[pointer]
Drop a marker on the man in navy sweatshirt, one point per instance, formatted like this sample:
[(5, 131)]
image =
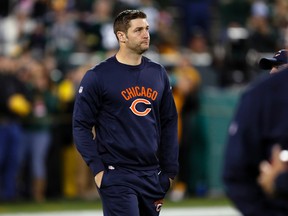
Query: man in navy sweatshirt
[(128, 100), (258, 127)]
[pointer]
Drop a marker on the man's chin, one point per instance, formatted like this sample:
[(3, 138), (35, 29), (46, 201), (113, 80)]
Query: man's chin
[(143, 50)]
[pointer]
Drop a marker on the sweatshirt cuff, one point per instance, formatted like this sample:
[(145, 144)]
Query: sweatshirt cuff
[(281, 186), (96, 167), (171, 172)]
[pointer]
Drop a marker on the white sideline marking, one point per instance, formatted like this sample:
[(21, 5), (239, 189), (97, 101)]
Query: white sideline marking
[(200, 211), (197, 211)]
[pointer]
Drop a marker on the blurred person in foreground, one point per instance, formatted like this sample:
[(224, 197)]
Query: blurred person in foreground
[(128, 100), (273, 176), (259, 124)]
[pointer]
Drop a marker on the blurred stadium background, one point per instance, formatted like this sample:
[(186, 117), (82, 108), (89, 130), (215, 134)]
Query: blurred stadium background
[(211, 46)]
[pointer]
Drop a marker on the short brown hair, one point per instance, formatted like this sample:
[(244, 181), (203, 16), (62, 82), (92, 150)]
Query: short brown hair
[(122, 21)]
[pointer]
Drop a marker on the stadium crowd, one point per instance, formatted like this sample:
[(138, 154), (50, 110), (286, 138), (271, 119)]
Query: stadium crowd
[(47, 45)]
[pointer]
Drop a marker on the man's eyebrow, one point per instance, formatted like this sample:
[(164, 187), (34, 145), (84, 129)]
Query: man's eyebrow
[(141, 27)]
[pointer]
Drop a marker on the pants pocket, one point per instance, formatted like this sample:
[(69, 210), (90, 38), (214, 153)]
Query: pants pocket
[(164, 181)]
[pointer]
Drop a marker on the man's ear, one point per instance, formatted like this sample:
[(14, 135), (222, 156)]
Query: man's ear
[(121, 36)]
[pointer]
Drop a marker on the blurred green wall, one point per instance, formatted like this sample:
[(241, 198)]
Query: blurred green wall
[(208, 136)]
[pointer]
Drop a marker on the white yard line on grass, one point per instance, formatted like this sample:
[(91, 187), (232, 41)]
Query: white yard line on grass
[(197, 211)]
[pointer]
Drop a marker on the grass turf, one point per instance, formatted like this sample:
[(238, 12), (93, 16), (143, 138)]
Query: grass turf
[(73, 205)]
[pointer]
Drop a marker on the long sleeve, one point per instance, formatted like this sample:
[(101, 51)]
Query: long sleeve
[(86, 107), (281, 185), (168, 151)]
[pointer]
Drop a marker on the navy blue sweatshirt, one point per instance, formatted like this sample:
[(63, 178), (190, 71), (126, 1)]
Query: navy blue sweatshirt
[(134, 115), (260, 122), (281, 185)]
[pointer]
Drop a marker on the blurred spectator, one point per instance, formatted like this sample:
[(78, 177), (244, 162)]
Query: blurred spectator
[(14, 30), (37, 128), (37, 41), (201, 58), (279, 19), (13, 106), (77, 181), (97, 28), (186, 81), (5, 8), (166, 41), (232, 47), (263, 36), (262, 31), (199, 49), (196, 14), (66, 94), (62, 38), (236, 11), (39, 10), (83, 6), (130, 3)]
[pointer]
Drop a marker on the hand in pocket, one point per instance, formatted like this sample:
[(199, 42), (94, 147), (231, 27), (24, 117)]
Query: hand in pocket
[(98, 178)]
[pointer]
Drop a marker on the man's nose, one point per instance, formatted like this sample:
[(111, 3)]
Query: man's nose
[(146, 33)]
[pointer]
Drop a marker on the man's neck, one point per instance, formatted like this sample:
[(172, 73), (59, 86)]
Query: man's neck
[(128, 58)]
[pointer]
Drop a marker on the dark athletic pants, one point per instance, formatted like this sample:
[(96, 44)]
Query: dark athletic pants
[(133, 193)]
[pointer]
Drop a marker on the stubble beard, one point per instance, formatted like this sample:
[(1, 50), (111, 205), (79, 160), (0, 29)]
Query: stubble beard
[(141, 49)]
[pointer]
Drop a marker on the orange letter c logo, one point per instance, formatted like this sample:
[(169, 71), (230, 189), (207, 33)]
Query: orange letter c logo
[(140, 113)]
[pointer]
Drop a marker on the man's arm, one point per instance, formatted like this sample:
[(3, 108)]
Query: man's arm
[(84, 119), (169, 147)]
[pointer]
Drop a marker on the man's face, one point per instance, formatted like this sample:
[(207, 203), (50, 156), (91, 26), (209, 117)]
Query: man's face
[(138, 37)]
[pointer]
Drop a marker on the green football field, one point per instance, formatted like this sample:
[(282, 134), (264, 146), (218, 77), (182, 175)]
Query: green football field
[(62, 205)]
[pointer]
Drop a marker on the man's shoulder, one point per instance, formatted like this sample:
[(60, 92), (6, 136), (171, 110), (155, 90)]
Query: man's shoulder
[(103, 64), (269, 84), (148, 60), (152, 62), (277, 79), (96, 71)]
